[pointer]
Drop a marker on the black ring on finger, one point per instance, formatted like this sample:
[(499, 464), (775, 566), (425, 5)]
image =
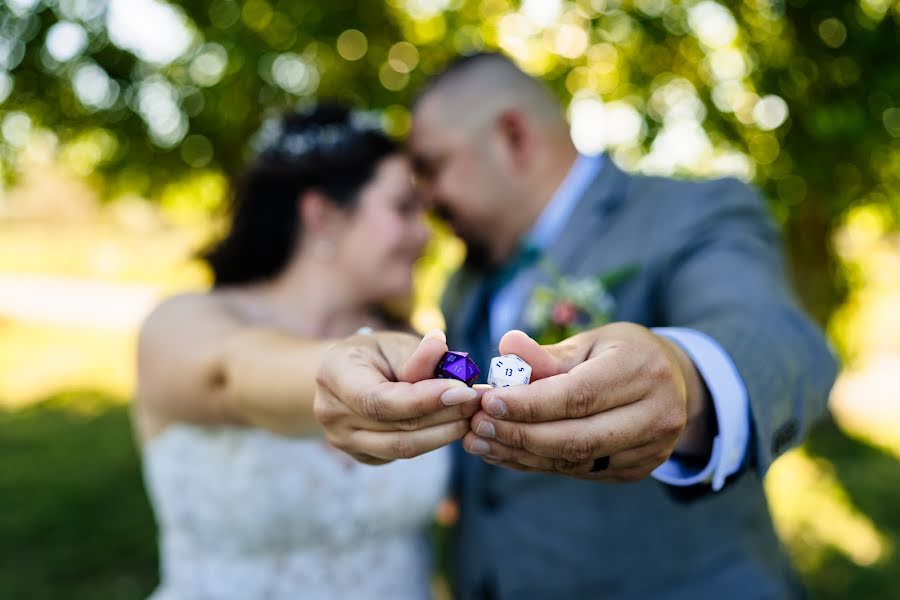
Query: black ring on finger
[(601, 464)]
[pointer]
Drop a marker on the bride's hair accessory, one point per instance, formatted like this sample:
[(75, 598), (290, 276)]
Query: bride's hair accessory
[(277, 140)]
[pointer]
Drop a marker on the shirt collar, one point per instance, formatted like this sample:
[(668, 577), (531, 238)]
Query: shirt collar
[(554, 216)]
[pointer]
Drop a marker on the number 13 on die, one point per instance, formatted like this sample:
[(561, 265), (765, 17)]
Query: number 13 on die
[(509, 370)]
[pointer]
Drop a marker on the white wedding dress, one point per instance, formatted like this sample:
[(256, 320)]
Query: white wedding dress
[(246, 514)]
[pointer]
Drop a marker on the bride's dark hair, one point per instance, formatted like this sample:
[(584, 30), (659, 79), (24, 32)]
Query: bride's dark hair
[(327, 148)]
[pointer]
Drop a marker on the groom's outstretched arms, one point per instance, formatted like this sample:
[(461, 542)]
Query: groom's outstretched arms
[(378, 402), (616, 402)]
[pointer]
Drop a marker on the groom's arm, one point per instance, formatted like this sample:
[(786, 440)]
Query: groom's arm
[(614, 403), (727, 282)]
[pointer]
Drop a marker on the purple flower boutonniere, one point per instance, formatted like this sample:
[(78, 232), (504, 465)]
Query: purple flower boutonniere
[(571, 305)]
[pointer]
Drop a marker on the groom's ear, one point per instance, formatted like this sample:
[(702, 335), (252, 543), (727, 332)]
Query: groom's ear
[(512, 126)]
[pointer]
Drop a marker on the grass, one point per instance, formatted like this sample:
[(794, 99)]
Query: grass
[(75, 522), (74, 518), (870, 478)]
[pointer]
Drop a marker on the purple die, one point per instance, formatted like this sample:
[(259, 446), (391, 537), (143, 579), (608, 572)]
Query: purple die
[(457, 365)]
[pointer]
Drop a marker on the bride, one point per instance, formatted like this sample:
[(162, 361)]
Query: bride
[(250, 500)]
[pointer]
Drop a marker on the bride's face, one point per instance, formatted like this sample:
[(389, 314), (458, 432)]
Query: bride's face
[(384, 235)]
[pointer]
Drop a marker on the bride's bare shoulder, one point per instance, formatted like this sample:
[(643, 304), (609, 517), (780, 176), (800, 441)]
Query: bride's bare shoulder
[(190, 312), (184, 302)]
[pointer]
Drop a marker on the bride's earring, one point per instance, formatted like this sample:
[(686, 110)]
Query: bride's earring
[(324, 249)]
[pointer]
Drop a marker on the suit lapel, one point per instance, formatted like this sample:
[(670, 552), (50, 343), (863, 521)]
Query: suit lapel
[(592, 215)]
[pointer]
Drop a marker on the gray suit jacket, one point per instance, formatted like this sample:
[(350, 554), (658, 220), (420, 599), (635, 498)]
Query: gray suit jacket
[(710, 259)]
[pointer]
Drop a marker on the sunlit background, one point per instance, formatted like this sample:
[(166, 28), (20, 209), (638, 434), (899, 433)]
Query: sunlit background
[(121, 120)]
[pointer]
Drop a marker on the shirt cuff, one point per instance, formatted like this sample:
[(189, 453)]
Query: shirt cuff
[(730, 402)]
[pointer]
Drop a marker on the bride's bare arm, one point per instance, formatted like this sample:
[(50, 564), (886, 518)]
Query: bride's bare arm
[(198, 363)]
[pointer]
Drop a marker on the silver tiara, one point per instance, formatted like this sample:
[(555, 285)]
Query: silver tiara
[(273, 139)]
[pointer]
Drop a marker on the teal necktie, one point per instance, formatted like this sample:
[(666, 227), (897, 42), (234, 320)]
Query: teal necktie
[(526, 256), (480, 327)]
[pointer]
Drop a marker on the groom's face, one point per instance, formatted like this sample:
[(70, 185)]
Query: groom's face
[(460, 179)]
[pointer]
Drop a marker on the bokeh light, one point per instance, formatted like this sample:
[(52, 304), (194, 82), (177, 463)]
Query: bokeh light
[(66, 40), (712, 23), (209, 65), (770, 112), (16, 127), (403, 57), (891, 120), (352, 44), (153, 30), (542, 13), (22, 7), (294, 74), (93, 86), (392, 79), (158, 104), (6, 85), (833, 32)]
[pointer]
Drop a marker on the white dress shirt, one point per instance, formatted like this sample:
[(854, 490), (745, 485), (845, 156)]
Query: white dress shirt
[(729, 396)]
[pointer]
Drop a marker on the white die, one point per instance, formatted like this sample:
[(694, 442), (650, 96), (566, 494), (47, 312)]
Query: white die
[(508, 370)]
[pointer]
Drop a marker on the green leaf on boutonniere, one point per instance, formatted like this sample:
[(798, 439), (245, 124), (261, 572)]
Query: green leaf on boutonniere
[(612, 279)]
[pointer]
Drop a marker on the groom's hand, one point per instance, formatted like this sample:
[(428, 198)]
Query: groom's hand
[(609, 404), (377, 400)]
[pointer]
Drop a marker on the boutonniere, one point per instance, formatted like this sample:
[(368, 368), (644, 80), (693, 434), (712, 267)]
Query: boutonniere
[(571, 305)]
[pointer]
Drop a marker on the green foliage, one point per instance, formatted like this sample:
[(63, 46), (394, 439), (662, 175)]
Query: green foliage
[(831, 63), (218, 110)]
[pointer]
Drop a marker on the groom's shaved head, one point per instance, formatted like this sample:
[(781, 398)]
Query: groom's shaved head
[(474, 89), (489, 146)]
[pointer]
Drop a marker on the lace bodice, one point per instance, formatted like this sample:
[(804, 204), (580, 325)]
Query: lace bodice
[(247, 514)]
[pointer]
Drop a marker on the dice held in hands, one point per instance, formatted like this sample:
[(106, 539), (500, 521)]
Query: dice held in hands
[(457, 365), (509, 370)]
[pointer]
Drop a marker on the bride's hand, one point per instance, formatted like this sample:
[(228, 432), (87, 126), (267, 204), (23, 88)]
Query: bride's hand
[(378, 401)]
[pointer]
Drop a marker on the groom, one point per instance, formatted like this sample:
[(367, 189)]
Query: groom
[(708, 372)]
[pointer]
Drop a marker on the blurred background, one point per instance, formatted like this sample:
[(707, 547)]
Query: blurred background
[(121, 121)]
